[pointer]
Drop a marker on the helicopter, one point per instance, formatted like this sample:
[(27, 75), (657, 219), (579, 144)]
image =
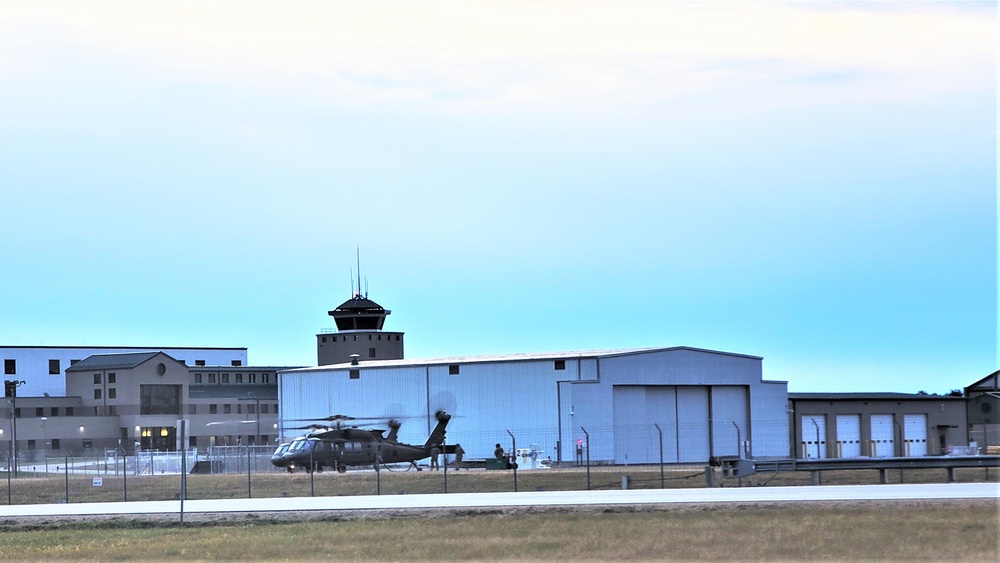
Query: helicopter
[(338, 447)]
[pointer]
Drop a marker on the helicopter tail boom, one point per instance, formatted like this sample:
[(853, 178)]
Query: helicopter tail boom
[(437, 435)]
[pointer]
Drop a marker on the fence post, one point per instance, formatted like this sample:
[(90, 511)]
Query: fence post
[(588, 455)]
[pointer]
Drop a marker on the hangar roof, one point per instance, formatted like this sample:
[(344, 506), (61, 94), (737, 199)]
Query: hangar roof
[(868, 396), (513, 358)]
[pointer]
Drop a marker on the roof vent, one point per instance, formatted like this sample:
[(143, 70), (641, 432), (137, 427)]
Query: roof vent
[(354, 359)]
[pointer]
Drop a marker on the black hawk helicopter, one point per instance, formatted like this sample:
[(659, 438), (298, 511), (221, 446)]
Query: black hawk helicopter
[(338, 447)]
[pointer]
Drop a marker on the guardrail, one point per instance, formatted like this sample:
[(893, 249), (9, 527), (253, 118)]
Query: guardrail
[(741, 468)]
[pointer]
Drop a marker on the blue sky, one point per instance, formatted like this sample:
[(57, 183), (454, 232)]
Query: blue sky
[(813, 183)]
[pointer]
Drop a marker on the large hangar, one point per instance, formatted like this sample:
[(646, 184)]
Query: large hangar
[(677, 404)]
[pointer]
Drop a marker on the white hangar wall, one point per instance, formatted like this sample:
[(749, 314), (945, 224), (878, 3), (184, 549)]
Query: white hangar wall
[(548, 400)]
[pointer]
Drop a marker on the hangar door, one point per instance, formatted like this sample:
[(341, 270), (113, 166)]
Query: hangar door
[(682, 413)]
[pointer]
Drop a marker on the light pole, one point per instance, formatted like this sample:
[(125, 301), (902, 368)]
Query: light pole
[(10, 391)]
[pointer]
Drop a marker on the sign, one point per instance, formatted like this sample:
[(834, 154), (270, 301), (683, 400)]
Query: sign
[(98, 481)]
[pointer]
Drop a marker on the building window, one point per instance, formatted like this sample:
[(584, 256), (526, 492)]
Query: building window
[(227, 409), (112, 378), (97, 394), (192, 441), (31, 444), (239, 378), (213, 409), (560, 365), (10, 367), (355, 337), (251, 409), (275, 408), (112, 393), (74, 362), (239, 408), (225, 378), (192, 409), (17, 412), (159, 399), (265, 378), (237, 363), (88, 443), (355, 374), (97, 379), (199, 362), (369, 337), (197, 378), (263, 409), (264, 438), (69, 411), (39, 411), (371, 352), (397, 338), (55, 443), (453, 369), (252, 378), (211, 378), (54, 411), (53, 367)]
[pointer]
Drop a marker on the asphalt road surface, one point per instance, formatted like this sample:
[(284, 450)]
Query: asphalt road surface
[(944, 491)]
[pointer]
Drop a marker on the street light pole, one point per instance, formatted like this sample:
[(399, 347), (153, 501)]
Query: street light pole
[(10, 390)]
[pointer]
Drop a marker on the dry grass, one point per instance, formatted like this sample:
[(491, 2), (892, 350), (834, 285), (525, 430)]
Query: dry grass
[(953, 531), (50, 489)]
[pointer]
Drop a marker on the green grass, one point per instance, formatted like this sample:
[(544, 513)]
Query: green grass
[(950, 531)]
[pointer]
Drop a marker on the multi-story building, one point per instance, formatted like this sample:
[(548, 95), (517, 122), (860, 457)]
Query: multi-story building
[(134, 400), (43, 368)]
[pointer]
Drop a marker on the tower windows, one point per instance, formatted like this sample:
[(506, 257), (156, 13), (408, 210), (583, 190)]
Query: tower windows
[(453, 369)]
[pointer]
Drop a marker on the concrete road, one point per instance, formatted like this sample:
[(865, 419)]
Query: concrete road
[(544, 498)]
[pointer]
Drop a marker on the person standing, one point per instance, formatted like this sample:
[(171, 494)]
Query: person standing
[(459, 452), (435, 453)]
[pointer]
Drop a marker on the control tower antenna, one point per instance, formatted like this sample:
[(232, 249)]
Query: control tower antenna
[(359, 273)]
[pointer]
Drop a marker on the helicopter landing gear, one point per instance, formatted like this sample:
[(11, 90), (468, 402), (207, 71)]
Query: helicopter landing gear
[(341, 469)]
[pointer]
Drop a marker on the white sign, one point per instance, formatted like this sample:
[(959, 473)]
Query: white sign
[(98, 482)]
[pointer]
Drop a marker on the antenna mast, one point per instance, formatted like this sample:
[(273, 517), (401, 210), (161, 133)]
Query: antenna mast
[(359, 270)]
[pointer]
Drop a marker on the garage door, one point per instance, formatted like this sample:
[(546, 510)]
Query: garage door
[(813, 444), (882, 443), (848, 435), (914, 435)]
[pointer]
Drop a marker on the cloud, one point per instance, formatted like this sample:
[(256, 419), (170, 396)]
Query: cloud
[(629, 57)]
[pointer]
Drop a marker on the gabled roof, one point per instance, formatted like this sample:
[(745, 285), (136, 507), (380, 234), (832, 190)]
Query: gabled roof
[(989, 383), (518, 357), (113, 361)]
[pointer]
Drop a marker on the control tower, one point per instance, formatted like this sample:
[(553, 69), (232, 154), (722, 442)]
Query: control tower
[(359, 331)]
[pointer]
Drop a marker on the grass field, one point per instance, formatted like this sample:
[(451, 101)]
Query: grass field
[(53, 488), (940, 531), (945, 530)]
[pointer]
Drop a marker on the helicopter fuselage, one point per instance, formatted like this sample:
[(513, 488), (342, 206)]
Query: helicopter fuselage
[(340, 448)]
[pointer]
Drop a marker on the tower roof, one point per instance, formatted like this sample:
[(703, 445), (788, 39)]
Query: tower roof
[(359, 313)]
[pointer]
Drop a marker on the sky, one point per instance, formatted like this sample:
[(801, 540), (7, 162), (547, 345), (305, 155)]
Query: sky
[(814, 183)]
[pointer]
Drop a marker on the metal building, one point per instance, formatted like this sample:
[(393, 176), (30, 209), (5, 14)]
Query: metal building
[(677, 404)]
